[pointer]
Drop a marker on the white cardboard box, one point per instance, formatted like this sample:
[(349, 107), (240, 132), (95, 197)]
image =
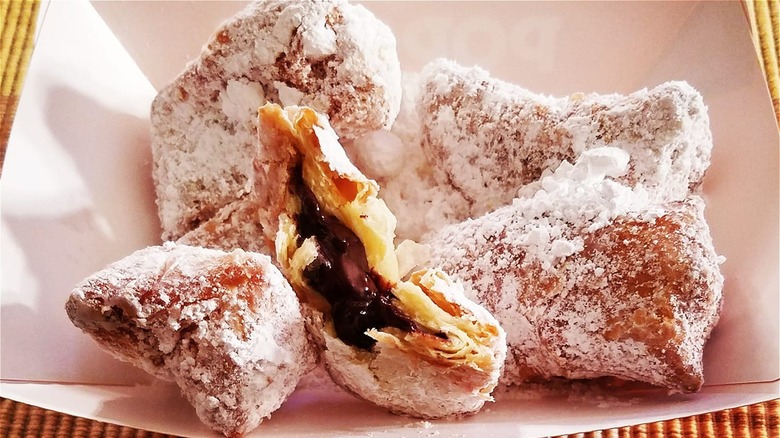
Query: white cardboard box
[(76, 193)]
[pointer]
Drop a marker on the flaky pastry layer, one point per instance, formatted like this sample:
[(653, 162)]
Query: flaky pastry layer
[(443, 359)]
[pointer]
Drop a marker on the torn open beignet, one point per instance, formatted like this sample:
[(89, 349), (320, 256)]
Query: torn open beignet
[(413, 344)]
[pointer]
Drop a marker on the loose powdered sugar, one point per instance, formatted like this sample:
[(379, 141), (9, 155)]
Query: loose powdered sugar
[(572, 199), (396, 160)]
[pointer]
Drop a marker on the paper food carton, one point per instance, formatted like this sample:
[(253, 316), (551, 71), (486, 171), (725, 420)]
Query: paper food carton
[(77, 194)]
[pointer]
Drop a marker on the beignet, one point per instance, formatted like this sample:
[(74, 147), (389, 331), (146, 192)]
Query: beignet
[(331, 55), (414, 345), (487, 137), (225, 326), (591, 278)]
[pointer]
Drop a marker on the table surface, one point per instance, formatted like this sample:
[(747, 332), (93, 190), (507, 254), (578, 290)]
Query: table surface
[(23, 420)]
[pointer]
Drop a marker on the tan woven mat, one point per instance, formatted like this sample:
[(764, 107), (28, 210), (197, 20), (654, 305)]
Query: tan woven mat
[(16, 43), (759, 420), (764, 18), (21, 420)]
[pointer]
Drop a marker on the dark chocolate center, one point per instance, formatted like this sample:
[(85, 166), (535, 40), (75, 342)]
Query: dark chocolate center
[(359, 298)]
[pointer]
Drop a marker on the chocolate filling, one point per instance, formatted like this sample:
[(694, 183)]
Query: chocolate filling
[(359, 298)]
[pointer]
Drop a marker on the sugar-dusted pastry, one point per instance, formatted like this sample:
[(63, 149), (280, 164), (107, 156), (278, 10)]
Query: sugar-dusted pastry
[(237, 225), (410, 343), (590, 278), (485, 138), (225, 326), (330, 55)]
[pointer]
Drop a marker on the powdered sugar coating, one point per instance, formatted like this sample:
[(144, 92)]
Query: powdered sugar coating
[(586, 286), (332, 56), (485, 137), (226, 327)]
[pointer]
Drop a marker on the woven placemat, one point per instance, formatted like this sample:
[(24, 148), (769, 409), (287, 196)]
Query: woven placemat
[(758, 420), (16, 44), (23, 420), (764, 19)]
